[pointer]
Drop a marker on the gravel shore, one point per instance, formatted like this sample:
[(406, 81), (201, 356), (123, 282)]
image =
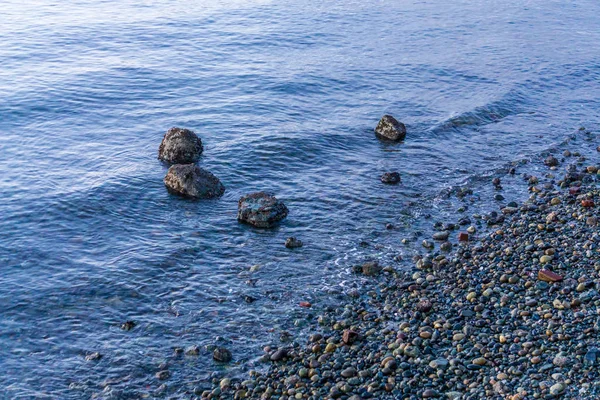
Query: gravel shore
[(515, 315)]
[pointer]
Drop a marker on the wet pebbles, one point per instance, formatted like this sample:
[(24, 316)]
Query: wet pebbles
[(515, 315)]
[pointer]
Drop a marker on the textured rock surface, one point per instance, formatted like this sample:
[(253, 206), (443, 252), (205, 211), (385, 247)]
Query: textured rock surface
[(189, 180), (261, 210), (391, 129), (180, 146)]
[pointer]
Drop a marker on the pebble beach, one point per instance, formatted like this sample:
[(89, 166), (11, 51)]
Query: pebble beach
[(512, 315)]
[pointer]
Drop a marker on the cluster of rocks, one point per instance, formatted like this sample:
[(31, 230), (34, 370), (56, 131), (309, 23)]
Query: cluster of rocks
[(515, 315), (182, 149)]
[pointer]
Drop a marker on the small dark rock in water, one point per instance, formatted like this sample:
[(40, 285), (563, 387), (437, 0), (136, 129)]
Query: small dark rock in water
[(496, 182), (464, 221), (551, 161), (349, 336), (390, 177), (463, 237), (293, 243), (389, 226), (371, 268), (162, 375), (192, 351), (424, 306), (279, 355), (512, 171), (180, 146), (498, 197), (128, 325), (391, 129), (189, 180), (443, 235), (261, 210), (221, 354), (93, 357), (446, 246), (249, 299)]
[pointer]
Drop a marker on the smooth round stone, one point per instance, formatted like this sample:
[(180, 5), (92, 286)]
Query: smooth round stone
[(479, 361), (440, 363), (458, 337), (225, 383), (425, 335), (330, 348), (279, 355), (349, 372), (441, 235), (557, 389)]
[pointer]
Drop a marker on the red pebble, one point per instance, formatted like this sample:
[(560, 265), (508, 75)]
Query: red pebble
[(463, 237), (305, 304), (587, 203), (549, 276), (574, 190)]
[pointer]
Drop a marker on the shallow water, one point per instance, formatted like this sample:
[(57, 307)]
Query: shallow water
[(285, 96)]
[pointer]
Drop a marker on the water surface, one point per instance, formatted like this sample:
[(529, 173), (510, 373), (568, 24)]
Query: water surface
[(285, 96)]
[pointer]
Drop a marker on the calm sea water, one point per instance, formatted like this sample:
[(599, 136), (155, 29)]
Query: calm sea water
[(285, 95)]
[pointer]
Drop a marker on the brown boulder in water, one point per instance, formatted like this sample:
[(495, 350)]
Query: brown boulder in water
[(390, 129), (180, 146), (189, 180)]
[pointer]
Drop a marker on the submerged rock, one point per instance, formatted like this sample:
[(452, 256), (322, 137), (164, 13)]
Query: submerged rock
[(293, 243), (261, 210), (551, 161), (390, 129), (189, 180), (128, 325), (93, 356), (390, 177), (221, 354), (180, 146), (371, 268)]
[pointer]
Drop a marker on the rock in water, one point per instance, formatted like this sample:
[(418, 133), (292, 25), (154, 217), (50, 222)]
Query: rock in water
[(261, 209), (390, 177), (221, 354), (391, 129), (180, 146), (293, 243), (551, 161), (371, 268), (189, 180)]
